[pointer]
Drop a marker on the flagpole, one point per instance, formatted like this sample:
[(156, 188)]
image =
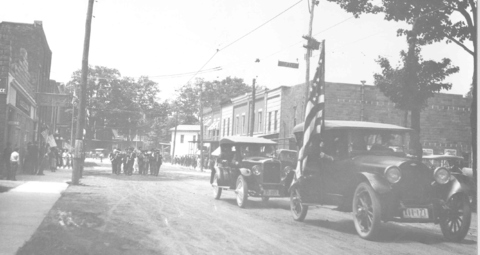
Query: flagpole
[(307, 55)]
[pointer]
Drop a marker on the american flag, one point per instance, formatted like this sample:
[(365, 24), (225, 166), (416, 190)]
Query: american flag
[(314, 115)]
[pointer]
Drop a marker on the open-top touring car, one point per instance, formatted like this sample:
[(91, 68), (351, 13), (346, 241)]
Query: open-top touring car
[(369, 172)]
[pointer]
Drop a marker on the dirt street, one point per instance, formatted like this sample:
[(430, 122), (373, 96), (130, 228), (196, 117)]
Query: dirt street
[(175, 213)]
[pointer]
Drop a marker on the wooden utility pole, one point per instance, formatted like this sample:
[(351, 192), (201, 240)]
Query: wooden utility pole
[(79, 146), (175, 135), (201, 127), (252, 116), (307, 56)]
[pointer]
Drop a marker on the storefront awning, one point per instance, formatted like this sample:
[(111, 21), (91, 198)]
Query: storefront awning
[(214, 126)]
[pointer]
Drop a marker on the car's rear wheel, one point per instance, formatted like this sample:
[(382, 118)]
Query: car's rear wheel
[(242, 191), (217, 191), (366, 211), (299, 211), (456, 221)]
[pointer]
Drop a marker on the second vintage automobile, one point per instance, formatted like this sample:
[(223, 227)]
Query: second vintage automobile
[(370, 174), (247, 165)]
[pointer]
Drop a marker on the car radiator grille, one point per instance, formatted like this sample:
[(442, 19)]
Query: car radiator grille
[(271, 172), (415, 186)]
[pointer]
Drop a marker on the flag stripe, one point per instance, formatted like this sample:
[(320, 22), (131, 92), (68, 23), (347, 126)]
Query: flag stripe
[(314, 115)]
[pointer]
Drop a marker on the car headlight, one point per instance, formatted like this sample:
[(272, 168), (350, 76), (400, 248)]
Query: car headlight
[(441, 175), (256, 170), (393, 174), (287, 170)]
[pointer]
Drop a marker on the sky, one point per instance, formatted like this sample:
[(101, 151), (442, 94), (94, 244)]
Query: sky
[(170, 41)]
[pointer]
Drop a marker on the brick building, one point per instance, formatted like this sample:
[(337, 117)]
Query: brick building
[(444, 123), (25, 60)]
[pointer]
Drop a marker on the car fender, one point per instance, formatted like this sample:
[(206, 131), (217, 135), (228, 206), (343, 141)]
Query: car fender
[(378, 184), (245, 171), (457, 187), (295, 183)]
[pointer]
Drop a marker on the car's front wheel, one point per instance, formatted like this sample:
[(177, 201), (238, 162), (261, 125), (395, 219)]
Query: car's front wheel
[(242, 191), (456, 220), (299, 211), (217, 191), (366, 211)]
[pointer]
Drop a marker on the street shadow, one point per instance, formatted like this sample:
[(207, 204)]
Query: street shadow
[(90, 164), (389, 232), (5, 189), (256, 203), (162, 177)]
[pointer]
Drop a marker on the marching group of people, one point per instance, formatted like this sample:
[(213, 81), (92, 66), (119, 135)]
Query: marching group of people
[(131, 160)]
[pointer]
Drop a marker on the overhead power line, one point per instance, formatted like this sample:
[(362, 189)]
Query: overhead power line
[(245, 35)]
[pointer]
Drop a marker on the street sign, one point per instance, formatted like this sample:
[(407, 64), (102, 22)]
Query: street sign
[(287, 64)]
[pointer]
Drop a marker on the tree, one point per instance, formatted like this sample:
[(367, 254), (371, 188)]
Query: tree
[(435, 21), (214, 92), (118, 103), (410, 86)]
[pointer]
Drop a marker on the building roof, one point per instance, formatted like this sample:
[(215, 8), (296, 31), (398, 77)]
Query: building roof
[(195, 128)]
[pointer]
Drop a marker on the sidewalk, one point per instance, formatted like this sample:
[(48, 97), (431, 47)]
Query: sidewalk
[(25, 205)]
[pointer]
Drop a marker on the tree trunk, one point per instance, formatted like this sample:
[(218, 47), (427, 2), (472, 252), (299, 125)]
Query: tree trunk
[(415, 138)]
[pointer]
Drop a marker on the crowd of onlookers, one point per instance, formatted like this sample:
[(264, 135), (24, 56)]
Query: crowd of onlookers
[(193, 161), (33, 160)]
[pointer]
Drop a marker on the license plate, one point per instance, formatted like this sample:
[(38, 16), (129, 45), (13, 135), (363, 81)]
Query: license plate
[(271, 192), (416, 213)]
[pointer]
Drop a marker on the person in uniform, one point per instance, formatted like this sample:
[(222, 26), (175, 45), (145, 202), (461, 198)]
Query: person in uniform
[(159, 160), (153, 162)]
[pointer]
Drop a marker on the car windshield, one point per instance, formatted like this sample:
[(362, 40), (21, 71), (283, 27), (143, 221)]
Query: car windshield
[(257, 150), (385, 142)]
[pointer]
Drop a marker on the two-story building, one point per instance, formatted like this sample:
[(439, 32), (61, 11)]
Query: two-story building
[(25, 60), (184, 140)]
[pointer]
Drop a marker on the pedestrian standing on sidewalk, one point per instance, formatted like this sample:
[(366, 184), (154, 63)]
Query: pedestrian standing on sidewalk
[(65, 159), (52, 159), (34, 154), (6, 160), (14, 160), (159, 162)]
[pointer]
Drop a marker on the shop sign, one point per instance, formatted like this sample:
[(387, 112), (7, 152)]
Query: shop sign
[(50, 99), (22, 104), (51, 141), (451, 152), (13, 123), (427, 152)]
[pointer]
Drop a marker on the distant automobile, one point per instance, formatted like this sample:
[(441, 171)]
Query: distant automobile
[(247, 165), (364, 175), (288, 160)]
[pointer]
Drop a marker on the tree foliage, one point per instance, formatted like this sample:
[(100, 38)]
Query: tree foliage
[(122, 103), (435, 21), (214, 92), (393, 82)]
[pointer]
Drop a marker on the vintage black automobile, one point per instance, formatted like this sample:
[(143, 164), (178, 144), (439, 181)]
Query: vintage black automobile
[(247, 165), (370, 174)]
